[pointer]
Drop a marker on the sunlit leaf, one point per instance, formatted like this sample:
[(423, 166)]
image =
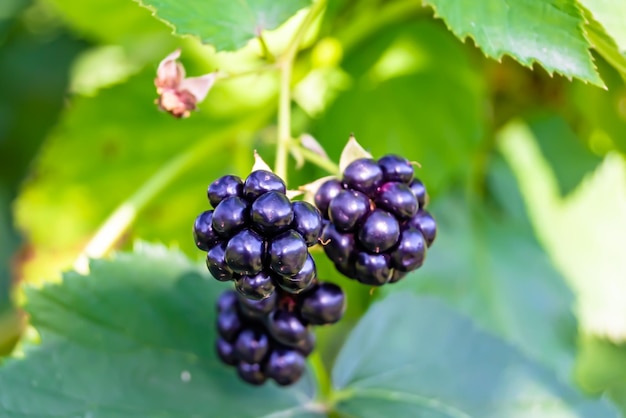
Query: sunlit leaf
[(547, 32), (584, 233), (224, 24)]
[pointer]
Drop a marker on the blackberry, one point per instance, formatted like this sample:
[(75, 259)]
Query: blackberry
[(324, 304), (307, 222), (252, 345), (377, 228), (226, 186), (327, 192), (230, 216), (271, 337), (257, 287), (216, 263), (348, 209), (260, 182), (364, 175), (271, 213), (257, 237), (287, 253), (285, 366), (203, 234), (286, 327), (301, 280), (251, 373), (244, 253)]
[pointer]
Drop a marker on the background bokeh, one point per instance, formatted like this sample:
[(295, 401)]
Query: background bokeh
[(526, 170)]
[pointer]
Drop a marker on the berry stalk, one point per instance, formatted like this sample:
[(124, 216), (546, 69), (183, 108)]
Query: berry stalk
[(284, 98)]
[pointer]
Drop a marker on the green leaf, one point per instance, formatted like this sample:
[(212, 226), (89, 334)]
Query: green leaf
[(610, 14), (226, 25), (415, 357), (601, 367), (105, 148), (561, 146), (604, 44), (135, 338), (490, 267), (584, 233), (547, 32)]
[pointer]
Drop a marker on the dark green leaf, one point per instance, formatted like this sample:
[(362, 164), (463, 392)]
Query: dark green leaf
[(134, 339), (547, 32), (225, 24), (492, 269), (415, 357)]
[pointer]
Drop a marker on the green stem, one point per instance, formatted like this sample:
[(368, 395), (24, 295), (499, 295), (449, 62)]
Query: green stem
[(284, 97), (116, 225), (316, 159), (321, 376), (265, 49)]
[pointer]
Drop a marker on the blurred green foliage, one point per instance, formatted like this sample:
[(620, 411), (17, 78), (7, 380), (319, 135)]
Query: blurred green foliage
[(525, 169)]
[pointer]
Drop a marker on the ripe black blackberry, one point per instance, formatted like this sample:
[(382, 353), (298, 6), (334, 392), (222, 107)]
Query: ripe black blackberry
[(376, 228), (257, 237), (271, 338)]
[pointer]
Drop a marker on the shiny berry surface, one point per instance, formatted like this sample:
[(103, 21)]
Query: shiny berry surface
[(325, 304), (259, 286), (285, 366), (338, 246), (216, 263), (257, 309), (271, 213), (397, 199), (327, 192), (302, 280), (252, 345), (348, 209), (426, 224), (260, 182), (203, 234), (396, 168), (230, 216), (372, 269), (223, 187), (286, 328), (380, 232), (418, 189), (410, 252), (244, 253), (287, 253), (363, 175), (307, 222)]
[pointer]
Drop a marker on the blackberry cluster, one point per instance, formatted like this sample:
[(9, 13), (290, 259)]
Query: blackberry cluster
[(376, 228), (271, 338), (257, 237)]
